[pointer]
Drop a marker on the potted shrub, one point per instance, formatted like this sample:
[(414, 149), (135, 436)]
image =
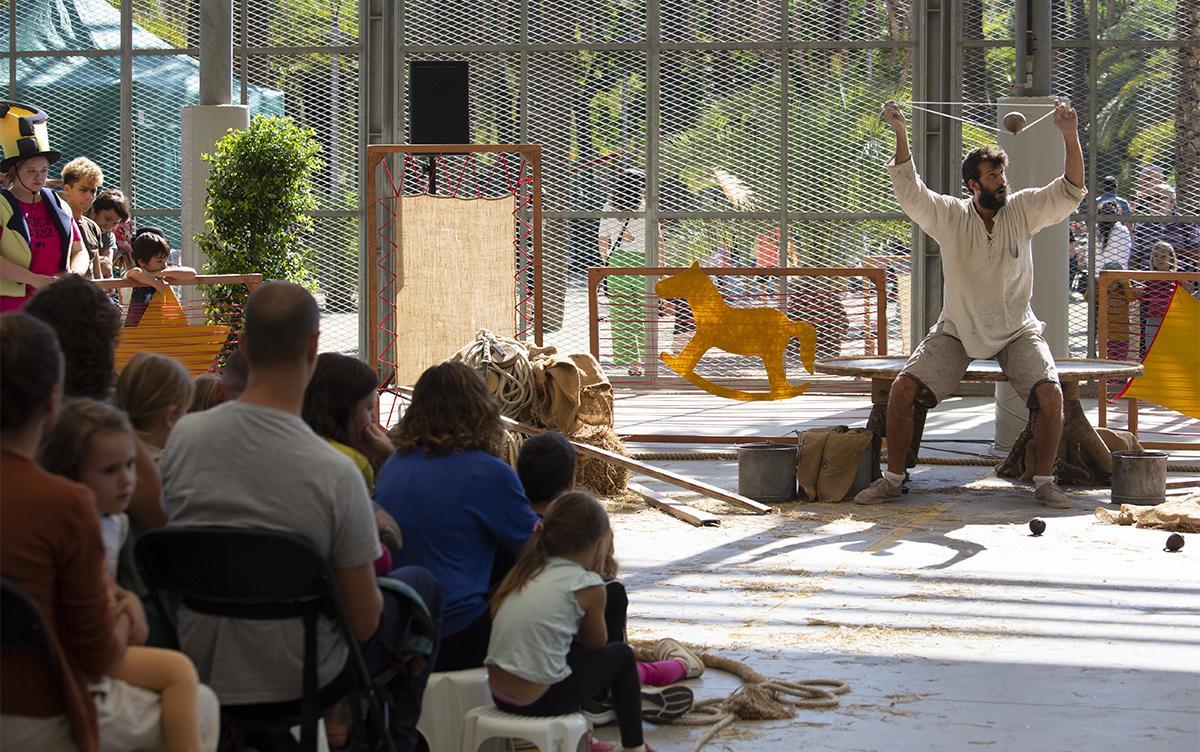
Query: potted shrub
[(257, 213)]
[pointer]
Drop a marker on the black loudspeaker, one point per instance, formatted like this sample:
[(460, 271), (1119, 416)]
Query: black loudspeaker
[(438, 111)]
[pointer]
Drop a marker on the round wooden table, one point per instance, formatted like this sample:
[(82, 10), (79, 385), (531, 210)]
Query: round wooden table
[(882, 371)]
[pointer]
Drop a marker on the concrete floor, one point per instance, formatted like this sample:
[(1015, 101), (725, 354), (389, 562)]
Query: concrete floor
[(955, 628)]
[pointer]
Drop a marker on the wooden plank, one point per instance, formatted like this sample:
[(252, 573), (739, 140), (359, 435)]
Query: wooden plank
[(635, 466), (697, 517)]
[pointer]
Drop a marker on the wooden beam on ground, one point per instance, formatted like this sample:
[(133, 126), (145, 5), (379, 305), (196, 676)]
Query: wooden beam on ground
[(667, 476), (697, 517)]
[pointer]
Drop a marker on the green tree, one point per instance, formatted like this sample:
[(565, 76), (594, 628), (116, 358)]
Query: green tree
[(259, 199)]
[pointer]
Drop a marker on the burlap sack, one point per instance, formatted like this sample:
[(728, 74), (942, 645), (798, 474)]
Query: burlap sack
[(595, 392), (572, 391), (1178, 515), (839, 463), (811, 446), (1118, 441)]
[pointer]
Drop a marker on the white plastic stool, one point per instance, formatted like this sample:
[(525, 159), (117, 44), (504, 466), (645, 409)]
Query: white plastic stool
[(556, 733), (448, 697)]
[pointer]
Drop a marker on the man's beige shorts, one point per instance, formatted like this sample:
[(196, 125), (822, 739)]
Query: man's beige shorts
[(940, 361)]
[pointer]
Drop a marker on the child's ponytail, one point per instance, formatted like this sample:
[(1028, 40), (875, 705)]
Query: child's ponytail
[(573, 522)]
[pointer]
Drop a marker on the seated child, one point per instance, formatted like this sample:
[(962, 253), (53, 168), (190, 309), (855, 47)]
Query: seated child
[(339, 406), (93, 443), (206, 393), (151, 252), (546, 467), (549, 651), (155, 391), (234, 375)]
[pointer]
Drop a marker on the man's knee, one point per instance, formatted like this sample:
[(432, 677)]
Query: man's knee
[(1048, 398), (904, 392)]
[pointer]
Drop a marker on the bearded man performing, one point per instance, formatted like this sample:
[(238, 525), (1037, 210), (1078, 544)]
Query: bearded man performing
[(987, 268)]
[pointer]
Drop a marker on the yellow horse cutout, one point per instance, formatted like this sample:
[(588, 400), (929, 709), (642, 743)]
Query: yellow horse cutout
[(761, 332)]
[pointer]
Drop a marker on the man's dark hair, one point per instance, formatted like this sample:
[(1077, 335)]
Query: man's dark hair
[(87, 324), (281, 320), (30, 366), (990, 154), (149, 243), (546, 466), (1108, 184)]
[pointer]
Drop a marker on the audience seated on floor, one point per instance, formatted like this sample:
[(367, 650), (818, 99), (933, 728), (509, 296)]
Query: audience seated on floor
[(254, 463), (455, 500)]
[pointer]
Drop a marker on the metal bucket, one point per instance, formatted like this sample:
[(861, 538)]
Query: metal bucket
[(1139, 477), (767, 471)]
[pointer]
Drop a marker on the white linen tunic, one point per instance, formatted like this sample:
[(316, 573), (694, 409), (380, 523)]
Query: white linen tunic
[(987, 279)]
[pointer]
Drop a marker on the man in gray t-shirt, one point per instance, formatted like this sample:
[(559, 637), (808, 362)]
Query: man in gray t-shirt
[(255, 463)]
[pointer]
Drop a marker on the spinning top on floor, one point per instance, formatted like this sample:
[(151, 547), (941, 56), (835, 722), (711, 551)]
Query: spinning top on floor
[(1174, 542), (1037, 526), (1014, 122)]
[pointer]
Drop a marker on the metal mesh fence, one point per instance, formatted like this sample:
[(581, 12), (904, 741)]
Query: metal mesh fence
[(113, 75), (755, 124), (1132, 70)]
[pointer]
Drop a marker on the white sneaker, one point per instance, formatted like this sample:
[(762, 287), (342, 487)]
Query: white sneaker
[(1052, 496), (879, 492), (667, 649)]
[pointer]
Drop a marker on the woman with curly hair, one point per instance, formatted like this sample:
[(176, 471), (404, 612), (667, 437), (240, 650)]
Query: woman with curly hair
[(455, 500), (87, 324)]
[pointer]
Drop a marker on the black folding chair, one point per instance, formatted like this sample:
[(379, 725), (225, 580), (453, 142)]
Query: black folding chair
[(23, 629), (260, 575)]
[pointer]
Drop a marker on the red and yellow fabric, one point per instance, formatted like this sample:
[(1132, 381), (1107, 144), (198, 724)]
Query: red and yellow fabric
[(1172, 365)]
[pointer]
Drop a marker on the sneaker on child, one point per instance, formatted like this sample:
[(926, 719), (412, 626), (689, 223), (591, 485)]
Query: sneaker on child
[(667, 649), (665, 704), (598, 713)]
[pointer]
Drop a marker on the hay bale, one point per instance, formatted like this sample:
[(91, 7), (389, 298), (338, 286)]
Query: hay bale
[(603, 478)]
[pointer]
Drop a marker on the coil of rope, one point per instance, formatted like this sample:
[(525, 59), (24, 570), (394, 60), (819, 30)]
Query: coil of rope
[(760, 698), (504, 364)]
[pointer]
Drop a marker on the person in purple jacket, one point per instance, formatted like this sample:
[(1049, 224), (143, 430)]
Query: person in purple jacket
[(455, 500)]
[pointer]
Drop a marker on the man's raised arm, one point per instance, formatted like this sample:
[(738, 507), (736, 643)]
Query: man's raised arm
[(1067, 122), (894, 118)]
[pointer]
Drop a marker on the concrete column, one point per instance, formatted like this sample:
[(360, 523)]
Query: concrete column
[(1035, 158), (203, 126), (216, 52)]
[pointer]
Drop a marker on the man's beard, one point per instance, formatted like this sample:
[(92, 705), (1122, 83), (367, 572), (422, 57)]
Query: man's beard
[(991, 200)]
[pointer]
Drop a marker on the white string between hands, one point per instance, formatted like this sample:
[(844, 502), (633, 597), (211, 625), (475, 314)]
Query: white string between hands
[(991, 128), (982, 104)]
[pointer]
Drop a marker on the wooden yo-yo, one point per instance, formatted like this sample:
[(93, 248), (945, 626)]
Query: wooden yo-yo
[(1014, 122)]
